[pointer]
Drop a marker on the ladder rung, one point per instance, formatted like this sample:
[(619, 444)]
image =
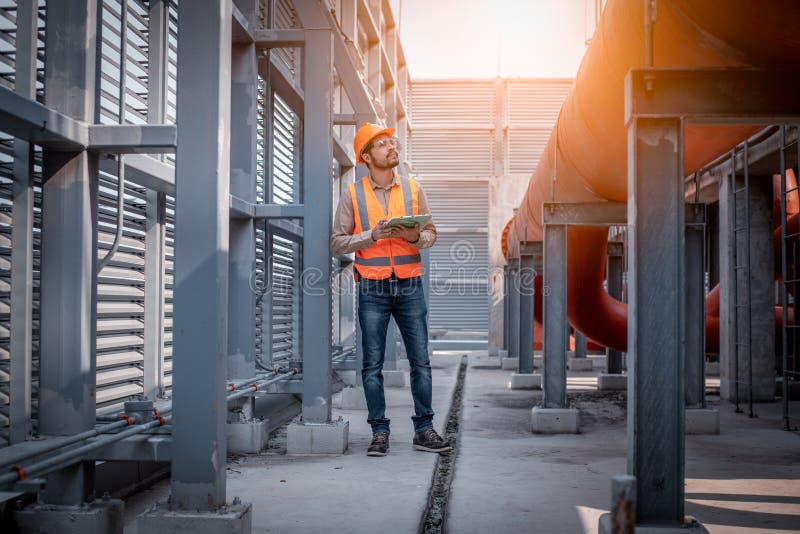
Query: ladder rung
[(792, 190), (736, 268), (741, 305), (738, 228), (792, 281), (792, 235), (741, 189)]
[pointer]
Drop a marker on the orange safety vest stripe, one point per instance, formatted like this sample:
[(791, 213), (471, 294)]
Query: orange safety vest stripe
[(379, 260)]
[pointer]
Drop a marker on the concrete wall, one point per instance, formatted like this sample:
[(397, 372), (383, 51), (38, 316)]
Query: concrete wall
[(505, 194)]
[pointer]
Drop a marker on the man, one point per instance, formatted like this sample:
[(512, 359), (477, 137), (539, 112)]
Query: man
[(388, 269)]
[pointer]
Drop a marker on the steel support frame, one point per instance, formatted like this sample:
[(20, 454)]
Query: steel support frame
[(514, 326), (615, 259), (155, 211), (658, 102), (317, 180), (69, 245), (529, 253), (242, 259), (554, 311), (201, 256), (695, 351), (20, 348)]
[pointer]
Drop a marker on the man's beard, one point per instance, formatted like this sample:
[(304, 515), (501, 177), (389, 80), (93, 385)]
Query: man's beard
[(388, 163)]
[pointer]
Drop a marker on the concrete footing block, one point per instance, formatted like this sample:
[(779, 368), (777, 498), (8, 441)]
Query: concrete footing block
[(579, 364), (538, 362), (348, 376), (502, 353), (525, 381), (701, 421), (712, 368), (317, 438), (612, 382), (230, 519), (690, 526), (509, 364), (248, 437), (554, 420), (103, 515), (394, 379), (353, 399), (403, 365)]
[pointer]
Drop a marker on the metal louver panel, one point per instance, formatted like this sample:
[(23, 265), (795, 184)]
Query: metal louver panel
[(451, 152), (452, 104), (458, 203), (460, 257), (284, 299), (8, 35), (285, 17), (533, 107)]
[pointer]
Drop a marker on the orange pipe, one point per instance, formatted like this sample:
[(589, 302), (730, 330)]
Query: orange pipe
[(586, 156)]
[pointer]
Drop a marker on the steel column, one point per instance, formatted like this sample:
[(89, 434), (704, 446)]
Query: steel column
[(695, 322), (201, 255), (242, 259), (22, 237), (614, 281), (69, 248), (506, 307), (555, 326), (317, 179), (656, 333), (527, 273), (156, 212), (513, 308), (580, 344)]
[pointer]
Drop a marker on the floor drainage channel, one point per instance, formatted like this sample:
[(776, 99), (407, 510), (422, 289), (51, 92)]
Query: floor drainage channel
[(434, 518)]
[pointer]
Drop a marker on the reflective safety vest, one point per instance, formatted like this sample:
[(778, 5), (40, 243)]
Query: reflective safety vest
[(392, 253)]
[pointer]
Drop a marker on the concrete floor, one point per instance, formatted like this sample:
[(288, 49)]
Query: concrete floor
[(746, 480)]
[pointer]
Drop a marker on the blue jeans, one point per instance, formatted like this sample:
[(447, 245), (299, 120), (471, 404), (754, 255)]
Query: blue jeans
[(405, 299)]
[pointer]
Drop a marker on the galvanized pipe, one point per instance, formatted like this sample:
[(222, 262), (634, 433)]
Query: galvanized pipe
[(259, 384), (59, 461), (61, 443)]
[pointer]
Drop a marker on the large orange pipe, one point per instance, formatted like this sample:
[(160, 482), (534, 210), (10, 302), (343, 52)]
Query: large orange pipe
[(586, 155)]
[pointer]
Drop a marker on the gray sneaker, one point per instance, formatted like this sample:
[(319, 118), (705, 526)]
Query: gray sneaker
[(428, 440), (379, 445)]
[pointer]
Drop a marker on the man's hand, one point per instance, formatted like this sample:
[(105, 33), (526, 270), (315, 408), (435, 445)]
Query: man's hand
[(381, 231), (410, 234)]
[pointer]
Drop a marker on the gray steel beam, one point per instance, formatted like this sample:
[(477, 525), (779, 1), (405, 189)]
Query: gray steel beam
[(145, 171), (155, 209), (342, 154), (526, 276), (345, 119), (585, 213), (554, 311), (133, 138), (580, 344), (69, 247), (724, 95), (656, 333), (241, 30), (317, 180), (31, 121), (201, 255), (313, 15), (282, 83), (242, 259), (614, 281), (279, 38), (695, 351), (514, 308), (278, 211), (20, 348)]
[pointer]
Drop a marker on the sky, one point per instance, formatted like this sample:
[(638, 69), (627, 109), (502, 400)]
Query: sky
[(462, 38)]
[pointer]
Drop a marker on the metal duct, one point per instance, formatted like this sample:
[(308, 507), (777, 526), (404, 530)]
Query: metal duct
[(586, 155)]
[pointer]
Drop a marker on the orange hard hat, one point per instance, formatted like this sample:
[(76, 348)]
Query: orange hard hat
[(366, 133)]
